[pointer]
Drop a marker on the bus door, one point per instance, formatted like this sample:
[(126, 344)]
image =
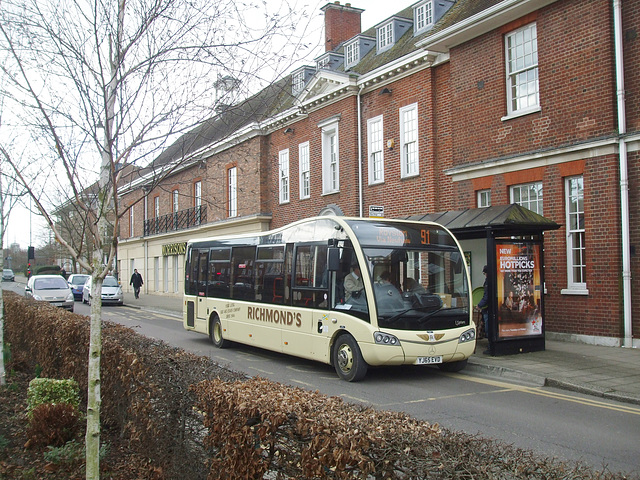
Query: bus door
[(201, 284), (308, 335)]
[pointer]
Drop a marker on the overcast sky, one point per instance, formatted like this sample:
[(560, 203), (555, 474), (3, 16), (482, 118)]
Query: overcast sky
[(24, 227)]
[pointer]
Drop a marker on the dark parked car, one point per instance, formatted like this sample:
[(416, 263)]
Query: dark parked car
[(76, 282), (7, 275)]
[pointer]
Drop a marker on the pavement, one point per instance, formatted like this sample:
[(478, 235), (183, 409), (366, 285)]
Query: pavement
[(607, 372)]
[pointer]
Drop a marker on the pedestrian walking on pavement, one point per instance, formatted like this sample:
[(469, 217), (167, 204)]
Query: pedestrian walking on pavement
[(136, 281)]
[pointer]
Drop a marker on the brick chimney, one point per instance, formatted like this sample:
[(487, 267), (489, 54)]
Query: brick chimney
[(341, 22)]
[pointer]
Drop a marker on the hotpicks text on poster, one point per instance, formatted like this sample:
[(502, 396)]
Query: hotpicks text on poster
[(519, 290)]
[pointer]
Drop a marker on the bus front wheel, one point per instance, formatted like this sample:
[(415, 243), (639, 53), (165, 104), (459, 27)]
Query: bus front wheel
[(215, 333), (347, 359)]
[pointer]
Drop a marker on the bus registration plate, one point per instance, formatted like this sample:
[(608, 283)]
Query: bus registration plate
[(428, 360)]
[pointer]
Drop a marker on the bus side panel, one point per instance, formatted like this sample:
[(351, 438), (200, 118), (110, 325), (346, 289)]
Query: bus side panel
[(306, 340), (250, 324)]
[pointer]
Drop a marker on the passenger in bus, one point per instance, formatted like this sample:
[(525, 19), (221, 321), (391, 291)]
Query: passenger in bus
[(353, 283), (411, 286), (384, 278)]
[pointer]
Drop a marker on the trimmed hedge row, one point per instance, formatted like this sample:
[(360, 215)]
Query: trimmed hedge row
[(187, 417)]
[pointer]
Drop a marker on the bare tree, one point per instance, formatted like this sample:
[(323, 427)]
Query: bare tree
[(9, 196), (100, 87)]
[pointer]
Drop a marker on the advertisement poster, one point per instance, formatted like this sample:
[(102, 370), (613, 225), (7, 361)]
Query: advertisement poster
[(519, 289)]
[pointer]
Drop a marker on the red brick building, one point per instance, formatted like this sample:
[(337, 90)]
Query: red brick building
[(444, 106)]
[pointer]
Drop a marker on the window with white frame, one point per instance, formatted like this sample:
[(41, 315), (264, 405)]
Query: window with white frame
[(522, 70), (351, 54), (304, 168), (423, 15), (197, 194), (283, 169), (197, 201), (131, 221), (376, 151), (385, 36), (176, 196), (409, 140), (298, 82), (232, 175), (484, 198), (146, 206), (330, 159), (576, 261), (528, 195), (156, 206)]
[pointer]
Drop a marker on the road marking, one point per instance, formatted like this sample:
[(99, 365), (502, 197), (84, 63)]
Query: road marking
[(266, 372), (541, 391), (355, 399)]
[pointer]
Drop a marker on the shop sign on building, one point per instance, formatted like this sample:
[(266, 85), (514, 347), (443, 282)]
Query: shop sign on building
[(179, 248)]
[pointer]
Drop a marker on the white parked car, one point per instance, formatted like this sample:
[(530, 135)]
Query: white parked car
[(111, 292), (50, 288)]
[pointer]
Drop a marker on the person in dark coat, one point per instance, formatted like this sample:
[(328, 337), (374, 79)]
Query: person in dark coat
[(136, 281), (483, 306)]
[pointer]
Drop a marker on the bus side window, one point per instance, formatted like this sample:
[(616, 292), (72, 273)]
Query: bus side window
[(219, 272), (270, 274), (242, 281), (202, 273), (187, 273), (311, 281)]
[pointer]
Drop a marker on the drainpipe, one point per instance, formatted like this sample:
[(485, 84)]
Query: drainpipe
[(146, 265), (359, 107), (624, 177)]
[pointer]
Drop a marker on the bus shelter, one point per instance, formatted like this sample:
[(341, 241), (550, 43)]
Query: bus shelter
[(513, 238)]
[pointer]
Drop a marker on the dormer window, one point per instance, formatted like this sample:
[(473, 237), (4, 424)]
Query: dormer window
[(390, 31), (423, 15), (352, 53), (385, 36), (356, 49), (329, 61), (300, 78), (427, 12), (298, 81)]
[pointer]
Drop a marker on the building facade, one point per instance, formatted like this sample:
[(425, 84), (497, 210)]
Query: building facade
[(444, 106)]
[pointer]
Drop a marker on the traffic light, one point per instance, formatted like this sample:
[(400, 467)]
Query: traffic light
[(29, 269), (31, 254)]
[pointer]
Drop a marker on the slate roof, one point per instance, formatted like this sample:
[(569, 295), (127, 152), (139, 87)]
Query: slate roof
[(277, 98)]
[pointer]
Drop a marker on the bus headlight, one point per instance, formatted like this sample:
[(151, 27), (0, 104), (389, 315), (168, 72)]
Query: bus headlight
[(385, 339), (467, 336)]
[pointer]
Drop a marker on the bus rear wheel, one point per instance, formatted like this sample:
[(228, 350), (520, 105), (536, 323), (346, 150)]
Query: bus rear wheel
[(215, 333), (347, 359)]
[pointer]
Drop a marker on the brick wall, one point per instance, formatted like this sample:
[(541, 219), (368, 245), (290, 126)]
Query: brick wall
[(253, 188), (577, 100), (307, 130), (576, 78)]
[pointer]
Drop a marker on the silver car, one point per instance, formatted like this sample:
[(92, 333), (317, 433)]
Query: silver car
[(111, 292), (50, 288)]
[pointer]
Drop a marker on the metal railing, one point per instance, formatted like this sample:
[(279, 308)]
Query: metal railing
[(191, 217)]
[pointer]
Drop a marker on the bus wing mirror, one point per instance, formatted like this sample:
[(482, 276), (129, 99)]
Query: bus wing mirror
[(333, 259)]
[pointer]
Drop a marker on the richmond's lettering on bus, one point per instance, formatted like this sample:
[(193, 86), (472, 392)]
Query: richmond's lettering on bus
[(274, 316)]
